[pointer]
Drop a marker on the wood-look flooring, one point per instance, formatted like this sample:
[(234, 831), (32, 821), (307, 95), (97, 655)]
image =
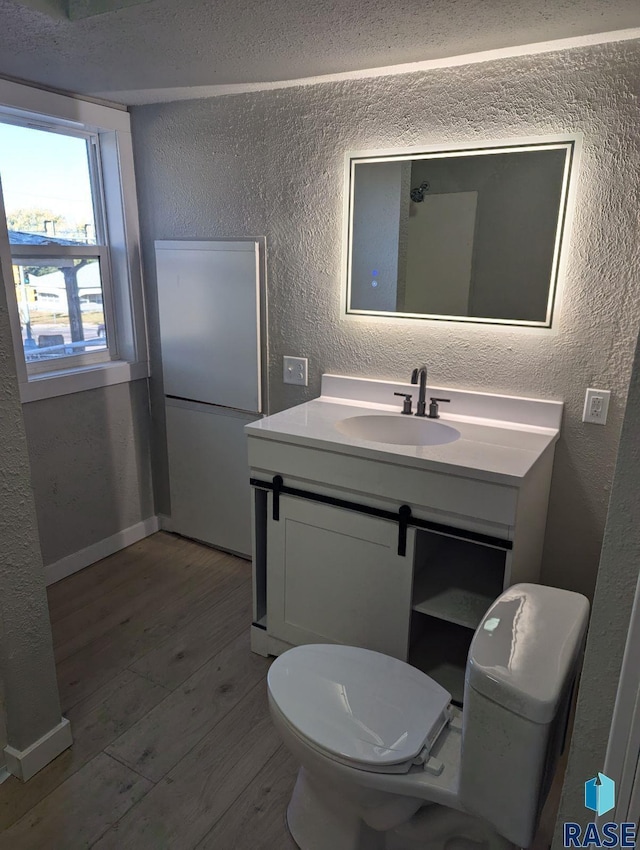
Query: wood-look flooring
[(173, 745)]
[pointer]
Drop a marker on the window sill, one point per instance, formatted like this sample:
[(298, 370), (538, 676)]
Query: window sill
[(53, 384)]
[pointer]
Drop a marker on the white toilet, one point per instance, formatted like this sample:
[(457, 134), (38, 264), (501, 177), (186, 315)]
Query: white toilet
[(387, 762)]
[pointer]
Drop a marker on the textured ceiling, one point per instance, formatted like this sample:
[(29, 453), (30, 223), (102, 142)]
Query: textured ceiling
[(164, 43)]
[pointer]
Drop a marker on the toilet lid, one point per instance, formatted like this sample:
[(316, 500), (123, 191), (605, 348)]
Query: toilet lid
[(358, 704)]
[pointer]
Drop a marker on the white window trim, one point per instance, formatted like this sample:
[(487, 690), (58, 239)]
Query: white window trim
[(121, 211)]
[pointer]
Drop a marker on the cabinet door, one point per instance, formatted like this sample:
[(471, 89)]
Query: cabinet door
[(334, 576)]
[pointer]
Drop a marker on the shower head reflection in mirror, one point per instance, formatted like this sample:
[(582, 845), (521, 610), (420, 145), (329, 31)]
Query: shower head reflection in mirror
[(473, 234)]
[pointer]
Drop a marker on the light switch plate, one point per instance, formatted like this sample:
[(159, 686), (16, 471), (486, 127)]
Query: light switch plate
[(295, 370), (596, 406)]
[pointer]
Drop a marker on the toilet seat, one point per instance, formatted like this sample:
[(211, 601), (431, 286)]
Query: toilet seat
[(359, 707)]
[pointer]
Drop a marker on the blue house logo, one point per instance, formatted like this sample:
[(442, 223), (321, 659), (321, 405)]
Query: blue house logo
[(600, 794), (600, 797)]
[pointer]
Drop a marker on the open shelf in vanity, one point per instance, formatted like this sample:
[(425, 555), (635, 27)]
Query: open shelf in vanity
[(440, 650), (456, 580), (454, 583)]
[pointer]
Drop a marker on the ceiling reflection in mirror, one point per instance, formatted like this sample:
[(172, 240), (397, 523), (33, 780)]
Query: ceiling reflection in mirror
[(461, 235)]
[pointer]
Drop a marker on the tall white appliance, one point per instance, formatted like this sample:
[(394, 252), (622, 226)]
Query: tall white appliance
[(211, 302)]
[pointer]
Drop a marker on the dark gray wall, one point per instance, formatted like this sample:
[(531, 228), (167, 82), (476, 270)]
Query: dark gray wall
[(376, 225), (272, 164), (90, 461)]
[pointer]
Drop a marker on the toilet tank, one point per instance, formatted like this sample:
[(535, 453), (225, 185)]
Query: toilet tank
[(521, 669)]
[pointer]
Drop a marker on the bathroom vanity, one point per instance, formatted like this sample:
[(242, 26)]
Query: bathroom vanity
[(390, 532)]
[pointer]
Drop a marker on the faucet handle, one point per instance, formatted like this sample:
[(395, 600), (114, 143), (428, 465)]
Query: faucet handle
[(433, 407), (406, 404)]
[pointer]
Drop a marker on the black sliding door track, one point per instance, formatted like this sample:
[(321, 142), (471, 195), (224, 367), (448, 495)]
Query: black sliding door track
[(402, 516)]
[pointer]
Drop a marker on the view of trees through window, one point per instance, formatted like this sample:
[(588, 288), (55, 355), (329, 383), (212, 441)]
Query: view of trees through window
[(49, 223), (54, 238)]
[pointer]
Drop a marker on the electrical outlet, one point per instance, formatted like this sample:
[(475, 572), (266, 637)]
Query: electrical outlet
[(596, 406), (295, 370)]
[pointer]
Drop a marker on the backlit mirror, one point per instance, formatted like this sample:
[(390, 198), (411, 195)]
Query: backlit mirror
[(470, 235)]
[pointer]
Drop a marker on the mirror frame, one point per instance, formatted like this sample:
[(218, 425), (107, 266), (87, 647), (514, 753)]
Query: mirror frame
[(570, 142)]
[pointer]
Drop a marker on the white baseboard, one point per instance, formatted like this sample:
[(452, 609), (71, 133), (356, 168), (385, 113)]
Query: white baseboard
[(165, 521), (79, 560), (26, 763)]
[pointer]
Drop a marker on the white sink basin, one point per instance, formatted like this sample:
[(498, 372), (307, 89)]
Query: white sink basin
[(400, 430)]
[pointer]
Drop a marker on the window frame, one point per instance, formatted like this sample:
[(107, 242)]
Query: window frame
[(100, 250), (113, 185)]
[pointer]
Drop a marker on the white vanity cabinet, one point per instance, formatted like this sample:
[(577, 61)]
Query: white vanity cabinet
[(332, 574), (396, 549)]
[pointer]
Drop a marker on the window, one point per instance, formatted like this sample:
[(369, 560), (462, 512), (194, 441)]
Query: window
[(70, 253), (57, 234)]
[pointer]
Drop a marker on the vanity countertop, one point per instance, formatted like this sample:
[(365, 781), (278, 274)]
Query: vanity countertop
[(496, 450)]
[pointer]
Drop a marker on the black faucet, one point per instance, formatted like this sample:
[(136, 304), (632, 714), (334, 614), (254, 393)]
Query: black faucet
[(422, 400)]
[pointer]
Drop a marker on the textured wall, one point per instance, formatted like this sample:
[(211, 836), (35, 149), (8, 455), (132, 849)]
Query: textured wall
[(615, 590), (271, 164), (29, 689), (90, 465)]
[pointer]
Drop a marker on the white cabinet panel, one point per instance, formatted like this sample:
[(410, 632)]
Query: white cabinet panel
[(335, 576), (209, 302), (208, 476)]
